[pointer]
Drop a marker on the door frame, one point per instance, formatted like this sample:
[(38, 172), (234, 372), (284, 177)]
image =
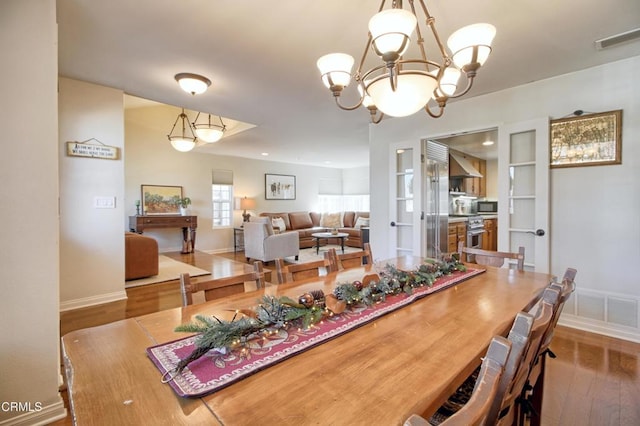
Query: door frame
[(542, 188), (417, 233)]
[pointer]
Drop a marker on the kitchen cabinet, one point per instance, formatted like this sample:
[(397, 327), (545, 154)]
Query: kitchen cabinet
[(457, 234), (490, 237)]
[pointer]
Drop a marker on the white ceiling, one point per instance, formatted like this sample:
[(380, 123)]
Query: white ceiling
[(261, 58)]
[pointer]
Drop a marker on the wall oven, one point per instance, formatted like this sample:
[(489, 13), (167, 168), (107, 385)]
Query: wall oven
[(475, 231)]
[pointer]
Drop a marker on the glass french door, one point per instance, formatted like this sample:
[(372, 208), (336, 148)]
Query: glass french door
[(405, 199), (523, 188)]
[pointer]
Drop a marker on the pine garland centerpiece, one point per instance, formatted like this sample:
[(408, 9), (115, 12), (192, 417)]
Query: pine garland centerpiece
[(275, 313)]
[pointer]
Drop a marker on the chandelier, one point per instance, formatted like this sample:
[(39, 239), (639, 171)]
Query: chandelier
[(402, 86), (209, 132), (182, 142)]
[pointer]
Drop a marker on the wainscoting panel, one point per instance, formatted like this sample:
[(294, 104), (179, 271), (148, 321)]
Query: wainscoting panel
[(622, 312), (591, 306), (614, 315)]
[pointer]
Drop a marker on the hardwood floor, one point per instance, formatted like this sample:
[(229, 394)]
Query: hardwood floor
[(594, 380)]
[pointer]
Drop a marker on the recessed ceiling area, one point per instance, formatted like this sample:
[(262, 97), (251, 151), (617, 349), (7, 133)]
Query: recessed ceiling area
[(233, 127), (472, 143)]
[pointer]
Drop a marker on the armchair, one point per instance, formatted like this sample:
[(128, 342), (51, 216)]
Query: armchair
[(261, 243)]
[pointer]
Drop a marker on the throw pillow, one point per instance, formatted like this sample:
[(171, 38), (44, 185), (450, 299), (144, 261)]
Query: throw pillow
[(331, 220), (362, 222), (278, 223)]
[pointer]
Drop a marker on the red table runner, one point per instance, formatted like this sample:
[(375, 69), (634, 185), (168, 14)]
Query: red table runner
[(217, 370)]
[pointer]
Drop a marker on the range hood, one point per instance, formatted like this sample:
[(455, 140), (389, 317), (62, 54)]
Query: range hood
[(460, 167)]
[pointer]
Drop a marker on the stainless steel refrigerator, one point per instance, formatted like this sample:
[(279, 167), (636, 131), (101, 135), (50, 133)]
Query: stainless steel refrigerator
[(435, 209)]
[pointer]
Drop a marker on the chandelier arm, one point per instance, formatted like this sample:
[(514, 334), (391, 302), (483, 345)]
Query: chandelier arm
[(420, 39), (375, 120), (428, 110), (431, 21), (466, 90), (348, 108)]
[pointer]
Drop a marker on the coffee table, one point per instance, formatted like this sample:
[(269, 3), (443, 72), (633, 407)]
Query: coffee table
[(326, 235)]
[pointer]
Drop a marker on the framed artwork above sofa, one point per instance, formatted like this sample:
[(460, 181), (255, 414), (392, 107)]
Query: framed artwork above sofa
[(279, 187)]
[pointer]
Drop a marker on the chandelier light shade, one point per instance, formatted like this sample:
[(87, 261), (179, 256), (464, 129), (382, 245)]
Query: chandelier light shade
[(335, 69), (471, 44), (400, 86), (412, 92), (193, 83), (209, 132), (391, 32), (184, 141)]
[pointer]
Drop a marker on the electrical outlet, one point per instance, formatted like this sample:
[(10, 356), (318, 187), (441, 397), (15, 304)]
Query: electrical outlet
[(104, 202)]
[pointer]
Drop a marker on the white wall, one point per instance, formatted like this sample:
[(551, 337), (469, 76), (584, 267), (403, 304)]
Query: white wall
[(594, 210), (92, 239), (355, 181), (152, 160), (29, 329)]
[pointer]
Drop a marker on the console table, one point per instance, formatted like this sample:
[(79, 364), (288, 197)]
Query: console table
[(187, 223)]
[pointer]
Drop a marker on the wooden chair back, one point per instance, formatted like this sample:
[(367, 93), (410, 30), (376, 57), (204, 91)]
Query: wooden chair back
[(476, 410), (491, 258), (535, 379), (300, 271), (350, 260), (220, 287), (511, 413)]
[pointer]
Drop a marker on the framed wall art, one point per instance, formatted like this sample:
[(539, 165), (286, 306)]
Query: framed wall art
[(279, 187), (587, 140), (160, 199)]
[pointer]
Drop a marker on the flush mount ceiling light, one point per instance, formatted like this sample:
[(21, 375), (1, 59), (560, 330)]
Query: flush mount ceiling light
[(400, 87), (209, 132), (193, 83), (182, 142)]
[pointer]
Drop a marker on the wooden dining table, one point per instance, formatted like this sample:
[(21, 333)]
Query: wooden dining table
[(408, 361)]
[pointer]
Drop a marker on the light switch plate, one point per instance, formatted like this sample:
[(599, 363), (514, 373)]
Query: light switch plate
[(104, 202)]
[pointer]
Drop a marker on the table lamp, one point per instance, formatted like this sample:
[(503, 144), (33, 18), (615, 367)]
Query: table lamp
[(247, 204)]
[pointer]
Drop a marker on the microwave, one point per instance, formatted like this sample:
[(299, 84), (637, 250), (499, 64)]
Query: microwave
[(485, 207)]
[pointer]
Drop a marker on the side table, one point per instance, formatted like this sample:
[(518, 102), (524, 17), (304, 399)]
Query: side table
[(238, 239)]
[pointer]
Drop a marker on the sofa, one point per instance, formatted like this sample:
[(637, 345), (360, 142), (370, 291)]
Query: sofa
[(306, 223), (140, 256)]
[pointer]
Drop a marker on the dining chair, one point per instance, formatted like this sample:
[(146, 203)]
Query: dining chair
[(534, 389), (220, 287), (484, 392), (525, 336), (510, 410), (299, 271), (351, 260), (491, 258)]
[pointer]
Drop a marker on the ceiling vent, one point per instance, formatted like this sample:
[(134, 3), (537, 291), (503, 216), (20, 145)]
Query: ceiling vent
[(604, 43)]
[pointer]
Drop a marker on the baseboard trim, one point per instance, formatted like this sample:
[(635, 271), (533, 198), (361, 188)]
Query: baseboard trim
[(606, 329), (93, 300), (44, 416)]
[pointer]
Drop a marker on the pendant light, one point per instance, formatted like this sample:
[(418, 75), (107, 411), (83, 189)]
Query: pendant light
[(182, 142), (209, 132)]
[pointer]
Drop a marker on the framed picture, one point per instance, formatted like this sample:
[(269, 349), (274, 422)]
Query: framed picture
[(279, 187), (160, 199), (587, 140)]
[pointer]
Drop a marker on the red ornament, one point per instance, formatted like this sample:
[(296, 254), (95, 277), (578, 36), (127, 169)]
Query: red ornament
[(357, 285)]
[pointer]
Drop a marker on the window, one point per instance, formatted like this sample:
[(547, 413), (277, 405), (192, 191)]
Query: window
[(222, 198), (342, 203)]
